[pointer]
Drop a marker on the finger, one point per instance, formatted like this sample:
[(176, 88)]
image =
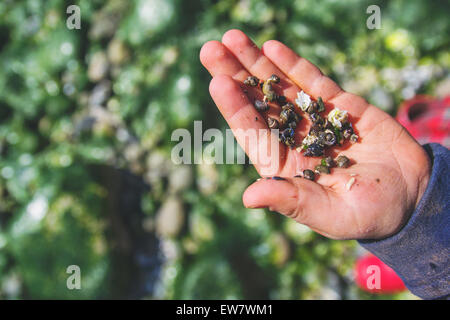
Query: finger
[(249, 128), (218, 60), (310, 79), (304, 201), (252, 59), (305, 74), (234, 105)]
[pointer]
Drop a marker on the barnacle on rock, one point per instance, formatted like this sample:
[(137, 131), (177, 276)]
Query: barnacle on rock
[(338, 117), (310, 139), (314, 150), (303, 100)]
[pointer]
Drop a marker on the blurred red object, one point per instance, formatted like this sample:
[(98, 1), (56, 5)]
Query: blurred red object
[(427, 119), (374, 276)]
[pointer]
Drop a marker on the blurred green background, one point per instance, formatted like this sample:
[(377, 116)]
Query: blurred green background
[(86, 118)]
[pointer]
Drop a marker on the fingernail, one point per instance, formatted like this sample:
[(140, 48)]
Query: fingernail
[(255, 207)]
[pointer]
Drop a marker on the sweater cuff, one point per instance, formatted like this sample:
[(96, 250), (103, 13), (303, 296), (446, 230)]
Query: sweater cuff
[(419, 253)]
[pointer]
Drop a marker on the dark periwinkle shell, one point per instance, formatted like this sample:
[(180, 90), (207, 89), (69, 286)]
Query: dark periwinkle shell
[(322, 169), (320, 104), (273, 123), (316, 118), (354, 138), (313, 107), (309, 174), (251, 81), (268, 91), (281, 99), (342, 161), (261, 106), (328, 162), (327, 138), (314, 150), (274, 78), (288, 133)]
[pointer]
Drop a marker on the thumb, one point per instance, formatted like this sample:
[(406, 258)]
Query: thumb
[(305, 201)]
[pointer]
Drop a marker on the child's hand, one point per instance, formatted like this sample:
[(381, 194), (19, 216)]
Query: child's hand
[(390, 168)]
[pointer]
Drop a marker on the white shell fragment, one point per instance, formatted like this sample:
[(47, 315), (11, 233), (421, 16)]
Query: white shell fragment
[(350, 183), (308, 140), (338, 117), (303, 100)]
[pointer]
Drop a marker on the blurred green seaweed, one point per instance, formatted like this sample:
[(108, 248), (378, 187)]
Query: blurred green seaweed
[(75, 105)]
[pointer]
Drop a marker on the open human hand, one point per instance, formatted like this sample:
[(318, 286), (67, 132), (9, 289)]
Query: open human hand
[(390, 168)]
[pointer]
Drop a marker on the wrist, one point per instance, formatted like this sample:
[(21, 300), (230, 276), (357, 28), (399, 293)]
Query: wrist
[(419, 177), (423, 177), (419, 251)]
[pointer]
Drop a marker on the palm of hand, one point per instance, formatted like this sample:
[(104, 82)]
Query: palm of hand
[(389, 167)]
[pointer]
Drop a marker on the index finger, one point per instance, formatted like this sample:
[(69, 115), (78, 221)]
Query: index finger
[(305, 74), (308, 77), (248, 126)]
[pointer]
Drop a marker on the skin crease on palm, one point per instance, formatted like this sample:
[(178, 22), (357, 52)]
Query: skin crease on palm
[(390, 168)]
